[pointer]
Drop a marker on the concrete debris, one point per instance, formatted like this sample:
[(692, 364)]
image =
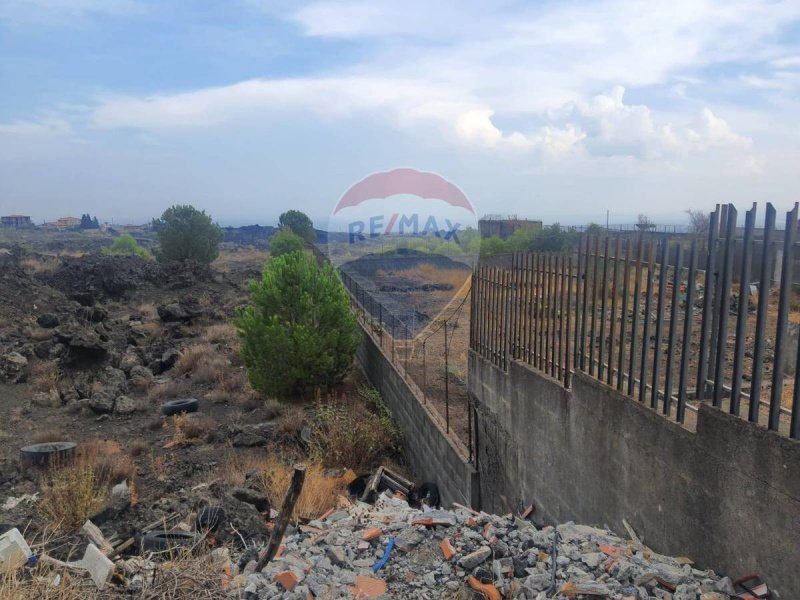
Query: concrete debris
[(455, 553), (14, 550)]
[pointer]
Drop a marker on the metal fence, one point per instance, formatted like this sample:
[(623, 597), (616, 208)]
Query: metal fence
[(424, 356), (641, 314)]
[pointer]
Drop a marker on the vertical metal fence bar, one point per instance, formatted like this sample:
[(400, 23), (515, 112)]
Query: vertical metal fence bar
[(716, 313), (577, 325), (595, 275), (688, 319), (761, 314), (446, 381), (561, 288), (539, 345), (532, 320), (724, 304), (568, 353), (581, 347), (613, 316), (546, 312), (636, 301), (662, 294), (554, 331), (742, 310), (528, 307), (513, 298), (778, 366), (626, 274), (708, 294), (673, 327), (507, 322), (794, 424), (646, 323), (601, 350)]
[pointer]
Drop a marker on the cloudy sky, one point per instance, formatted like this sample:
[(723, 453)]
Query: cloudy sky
[(556, 110)]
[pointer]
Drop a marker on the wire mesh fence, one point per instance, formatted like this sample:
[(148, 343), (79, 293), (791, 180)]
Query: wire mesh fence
[(433, 358), (669, 320)]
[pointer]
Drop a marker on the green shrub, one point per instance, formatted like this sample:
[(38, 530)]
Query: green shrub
[(126, 245), (298, 335), (185, 233), (285, 241)]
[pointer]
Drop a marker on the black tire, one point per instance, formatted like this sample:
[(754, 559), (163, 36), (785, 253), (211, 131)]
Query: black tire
[(167, 540), (39, 455), (175, 407), (210, 518), (428, 493)]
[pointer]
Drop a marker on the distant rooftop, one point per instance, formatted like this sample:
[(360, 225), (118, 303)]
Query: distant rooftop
[(499, 217)]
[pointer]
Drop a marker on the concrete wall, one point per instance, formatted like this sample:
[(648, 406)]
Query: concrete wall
[(432, 454), (728, 496)]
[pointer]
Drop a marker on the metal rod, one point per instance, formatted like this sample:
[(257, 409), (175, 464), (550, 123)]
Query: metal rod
[(708, 289), (637, 292), (537, 301), (603, 299), (446, 380), (778, 366), (562, 287), (688, 319), (546, 312), (673, 327), (594, 304), (743, 309), (613, 316), (626, 274), (568, 354), (646, 323), (761, 314), (724, 307), (584, 306), (662, 295), (577, 341)]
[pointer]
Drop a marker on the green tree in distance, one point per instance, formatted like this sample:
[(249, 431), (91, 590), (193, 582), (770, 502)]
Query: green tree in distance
[(185, 233), (299, 223)]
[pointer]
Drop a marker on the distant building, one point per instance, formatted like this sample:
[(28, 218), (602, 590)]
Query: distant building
[(503, 226), (16, 221), (67, 222)]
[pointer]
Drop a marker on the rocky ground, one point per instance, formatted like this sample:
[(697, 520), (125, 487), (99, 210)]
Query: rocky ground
[(392, 550), (90, 348)]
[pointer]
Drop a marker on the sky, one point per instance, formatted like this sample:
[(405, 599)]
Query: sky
[(556, 110)]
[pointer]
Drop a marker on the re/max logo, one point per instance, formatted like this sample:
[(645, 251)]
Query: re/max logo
[(402, 224)]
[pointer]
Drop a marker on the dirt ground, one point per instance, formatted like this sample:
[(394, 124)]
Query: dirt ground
[(106, 340)]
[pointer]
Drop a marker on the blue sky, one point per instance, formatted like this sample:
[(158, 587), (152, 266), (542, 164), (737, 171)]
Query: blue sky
[(556, 110)]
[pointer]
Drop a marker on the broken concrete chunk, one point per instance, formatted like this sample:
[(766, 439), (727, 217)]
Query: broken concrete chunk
[(472, 560)]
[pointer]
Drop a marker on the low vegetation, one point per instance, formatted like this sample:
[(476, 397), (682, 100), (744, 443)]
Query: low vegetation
[(126, 245), (284, 242), (355, 435)]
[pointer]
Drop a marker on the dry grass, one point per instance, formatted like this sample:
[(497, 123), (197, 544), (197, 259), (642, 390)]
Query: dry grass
[(138, 448), (175, 388), (193, 427), (185, 576), (147, 310), (240, 257), (219, 333), (320, 492), (204, 362), (70, 494), (43, 376), (48, 435), (291, 423), (109, 461), (40, 265)]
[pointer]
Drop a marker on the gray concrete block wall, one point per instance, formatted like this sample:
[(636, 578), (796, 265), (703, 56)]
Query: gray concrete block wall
[(431, 453), (728, 496)]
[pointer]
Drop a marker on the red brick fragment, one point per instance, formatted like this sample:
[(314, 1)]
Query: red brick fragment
[(368, 587), (287, 580), (447, 549)]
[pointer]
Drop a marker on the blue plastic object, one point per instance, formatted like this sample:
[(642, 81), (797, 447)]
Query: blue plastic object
[(385, 556)]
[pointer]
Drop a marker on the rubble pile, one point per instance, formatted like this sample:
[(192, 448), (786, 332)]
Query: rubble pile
[(394, 551)]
